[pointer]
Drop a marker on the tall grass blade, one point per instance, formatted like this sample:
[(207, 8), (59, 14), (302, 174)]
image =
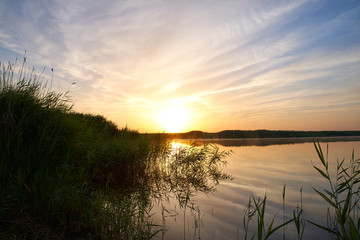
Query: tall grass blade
[(326, 198), (324, 228), (320, 153), (278, 227), (322, 173)]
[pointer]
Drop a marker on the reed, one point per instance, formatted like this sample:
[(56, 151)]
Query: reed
[(257, 207), (61, 170), (299, 220), (342, 195), (185, 171), (66, 175)]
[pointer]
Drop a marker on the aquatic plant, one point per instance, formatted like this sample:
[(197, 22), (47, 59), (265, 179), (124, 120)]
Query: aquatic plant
[(65, 174), (343, 197), (60, 171), (299, 220), (183, 171), (257, 207)]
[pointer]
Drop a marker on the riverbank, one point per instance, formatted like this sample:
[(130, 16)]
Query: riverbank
[(67, 175), (71, 175)]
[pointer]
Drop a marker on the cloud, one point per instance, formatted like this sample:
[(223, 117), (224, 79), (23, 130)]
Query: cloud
[(225, 58)]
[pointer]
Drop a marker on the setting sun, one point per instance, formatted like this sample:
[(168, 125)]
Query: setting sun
[(173, 119)]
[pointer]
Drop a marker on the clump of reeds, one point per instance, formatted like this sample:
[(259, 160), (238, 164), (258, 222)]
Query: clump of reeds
[(34, 140), (342, 195), (257, 207), (60, 171), (72, 175), (187, 170)]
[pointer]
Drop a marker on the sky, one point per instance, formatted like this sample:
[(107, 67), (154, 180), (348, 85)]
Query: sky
[(176, 66)]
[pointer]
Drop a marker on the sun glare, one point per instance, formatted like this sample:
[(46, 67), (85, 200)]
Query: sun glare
[(173, 119)]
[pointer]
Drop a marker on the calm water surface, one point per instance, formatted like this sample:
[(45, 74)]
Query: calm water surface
[(257, 170)]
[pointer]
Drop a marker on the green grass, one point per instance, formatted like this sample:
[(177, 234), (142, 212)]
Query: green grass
[(60, 171), (342, 197), (69, 175), (257, 207), (185, 171)]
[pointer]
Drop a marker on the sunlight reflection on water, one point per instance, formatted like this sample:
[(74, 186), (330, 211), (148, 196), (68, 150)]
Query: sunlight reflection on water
[(256, 170)]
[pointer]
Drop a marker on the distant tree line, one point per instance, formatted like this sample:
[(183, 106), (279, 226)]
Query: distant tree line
[(261, 134)]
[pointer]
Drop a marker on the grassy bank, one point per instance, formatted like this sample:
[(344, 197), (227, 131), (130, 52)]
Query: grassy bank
[(62, 173), (69, 175)]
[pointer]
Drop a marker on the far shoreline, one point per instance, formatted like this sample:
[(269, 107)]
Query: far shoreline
[(261, 134), (234, 142)]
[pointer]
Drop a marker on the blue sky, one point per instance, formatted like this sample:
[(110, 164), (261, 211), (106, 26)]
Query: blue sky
[(205, 65)]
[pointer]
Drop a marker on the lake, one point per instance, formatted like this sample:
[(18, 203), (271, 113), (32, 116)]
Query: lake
[(258, 167)]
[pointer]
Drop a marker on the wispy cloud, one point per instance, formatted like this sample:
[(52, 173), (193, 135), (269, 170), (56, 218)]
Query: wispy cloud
[(234, 64)]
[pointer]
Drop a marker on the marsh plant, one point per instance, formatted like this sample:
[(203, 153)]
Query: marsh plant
[(186, 170), (257, 208), (181, 172), (62, 173), (67, 175), (342, 197)]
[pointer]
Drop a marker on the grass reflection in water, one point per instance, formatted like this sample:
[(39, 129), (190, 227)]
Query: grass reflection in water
[(182, 171)]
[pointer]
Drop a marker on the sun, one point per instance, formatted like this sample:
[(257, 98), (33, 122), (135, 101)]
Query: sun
[(173, 119)]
